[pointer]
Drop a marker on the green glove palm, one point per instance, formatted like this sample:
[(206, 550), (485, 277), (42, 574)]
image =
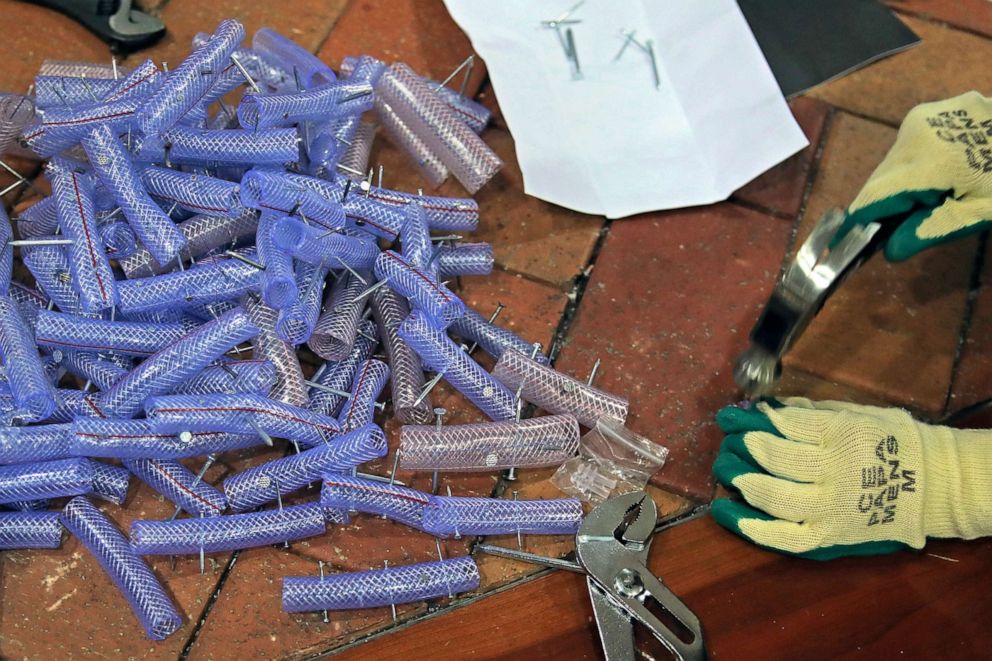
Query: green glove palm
[(829, 479), (935, 183)]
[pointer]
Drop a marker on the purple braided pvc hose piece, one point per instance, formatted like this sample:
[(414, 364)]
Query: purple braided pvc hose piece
[(288, 387), (464, 259), (193, 192), (442, 355), (337, 326), (186, 85), (339, 375), (273, 191), (455, 516), (493, 339), (62, 331), (278, 280), (296, 322), (136, 439), (17, 113), (380, 587), (318, 246), (369, 381), (203, 234), (101, 372), (179, 485), (30, 530), (221, 279), (240, 414), (407, 373), (193, 146), (258, 485), (174, 364), (139, 82), (361, 135), (342, 97), (111, 483), (450, 214), (6, 252), (376, 217), (427, 294), (401, 135), (556, 392), (147, 597), (289, 56), (227, 533), (356, 494), (70, 404), (20, 445), (50, 268), (111, 162), (119, 239), (34, 395), (62, 128), (61, 91), (39, 219), (490, 446), (28, 296), (248, 376), (46, 479), (415, 238), (468, 158), (76, 69)]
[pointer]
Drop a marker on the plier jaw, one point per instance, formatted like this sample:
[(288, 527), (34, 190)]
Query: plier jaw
[(612, 546)]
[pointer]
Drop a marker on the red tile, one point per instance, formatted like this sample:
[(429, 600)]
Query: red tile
[(781, 189), (973, 15), (668, 309), (870, 333), (307, 22), (61, 604), (420, 33), (973, 378)]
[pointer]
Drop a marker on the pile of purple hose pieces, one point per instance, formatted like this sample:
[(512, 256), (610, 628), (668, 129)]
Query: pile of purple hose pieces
[(179, 264)]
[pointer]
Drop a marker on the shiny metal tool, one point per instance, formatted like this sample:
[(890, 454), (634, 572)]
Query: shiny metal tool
[(820, 265), (611, 547)]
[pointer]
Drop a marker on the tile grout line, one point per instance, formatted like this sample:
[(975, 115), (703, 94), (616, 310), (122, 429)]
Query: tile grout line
[(974, 287), (933, 20), (208, 607)]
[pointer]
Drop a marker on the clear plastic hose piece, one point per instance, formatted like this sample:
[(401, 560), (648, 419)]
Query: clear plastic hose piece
[(493, 339), (48, 479), (369, 381), (227, 533), (337, 326), (34, 395), (179, 485), (30, 530), (335, 377), (356, 494), (136, 439), (380, 587), (407, 373), (148, 599), (556, 392), (457, 517), (427, 293), (490, 446)]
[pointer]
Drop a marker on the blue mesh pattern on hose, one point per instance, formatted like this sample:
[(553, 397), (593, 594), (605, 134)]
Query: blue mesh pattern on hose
[(111, 483), (194, 146), (186, 85), (425, 291), (34, 395), (19, 445), (119, 238), (406, 371), (63, 331), (174, 364), (30, 530), (318, 246), (179, 485), (110, 161), (342, 97), (489, 446), (464, 259), (194, 192), (249, 376), (415, 238), (6, 252), (287, 55), (288, 387), (103, 373), (493, 339), (457, 516), (240, 414), (296, 322), (337, 326), (369, 381), (136, 439), (208, 282), (227, 533), (50, 268), (358, 494), (274, 191), (258, 485), (138, 584), (442, 355), (46, 479), (279, 289), (339, 375), (379, 587)]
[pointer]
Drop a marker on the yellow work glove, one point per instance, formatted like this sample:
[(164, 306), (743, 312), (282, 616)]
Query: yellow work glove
[(935, 184), (829, 479)]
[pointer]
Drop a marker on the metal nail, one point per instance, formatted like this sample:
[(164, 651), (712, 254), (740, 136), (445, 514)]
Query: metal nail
[(244, 72), (467, 62), (520, 537), (262, 434), (199, 476), (428, 387), (40, 242), (396, 463), (592, 372), (320, 566), (246, 260), (327, 389), (439, 415), (351, 270)]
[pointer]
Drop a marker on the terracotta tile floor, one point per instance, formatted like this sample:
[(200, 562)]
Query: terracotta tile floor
[(665, 300)]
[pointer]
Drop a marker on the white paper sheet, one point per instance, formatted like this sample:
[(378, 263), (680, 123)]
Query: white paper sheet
[(611, 143)]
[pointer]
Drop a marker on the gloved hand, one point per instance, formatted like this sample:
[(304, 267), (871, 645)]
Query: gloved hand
[(828, 479), (936, 181)]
